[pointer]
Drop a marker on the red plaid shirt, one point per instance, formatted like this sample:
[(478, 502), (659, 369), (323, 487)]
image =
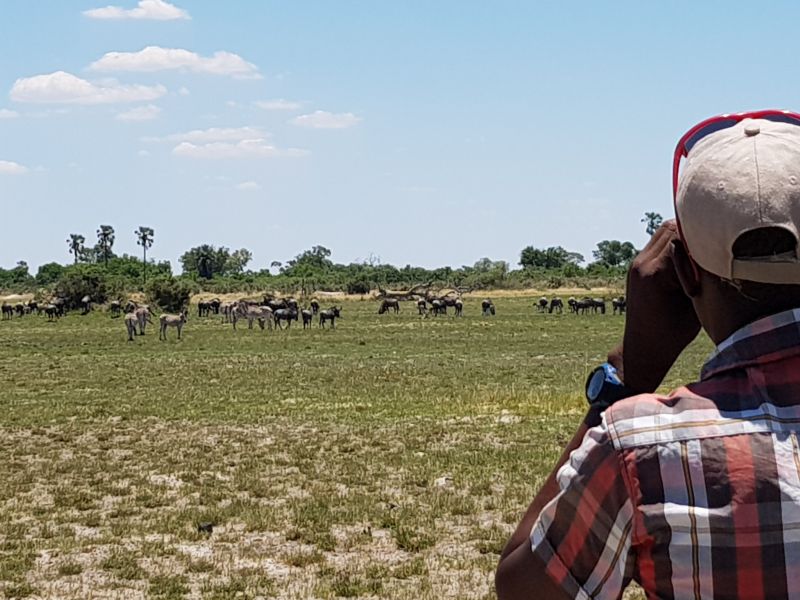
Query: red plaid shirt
[(694, 495)]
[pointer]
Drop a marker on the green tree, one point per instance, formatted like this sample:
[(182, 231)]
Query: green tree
[(76, 242), (653, 220), (105, 242), (614, 253), (144, 238), (554, 257), (310, 263), (206, 261), (238, 260), (49, 273)]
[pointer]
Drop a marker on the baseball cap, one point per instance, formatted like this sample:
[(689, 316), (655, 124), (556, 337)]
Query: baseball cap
[(737, 180)]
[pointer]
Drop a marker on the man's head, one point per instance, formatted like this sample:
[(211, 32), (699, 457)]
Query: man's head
[(738, 208)]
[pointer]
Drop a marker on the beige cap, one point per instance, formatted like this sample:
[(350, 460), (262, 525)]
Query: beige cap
[(735, 180)]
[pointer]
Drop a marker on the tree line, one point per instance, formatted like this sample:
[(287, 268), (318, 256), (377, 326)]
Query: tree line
[(97, 270)]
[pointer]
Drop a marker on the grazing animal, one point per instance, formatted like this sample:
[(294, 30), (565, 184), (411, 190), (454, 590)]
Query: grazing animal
[(203, 308), (619, 304), (86, 303), (227, 308), (262, 314), (292, 304), (33, 306), (130, 325), (556, 305), (541, 305), (61, 306), (598, 304), (438, 307), (308, 317), (214, 305), (115, 307), (52, 312), (175, 321), (422, 307), (459, 306), (284, 314), (314, 306), (487, 308), (20, 309), (277, 304), (8, 311), (389, 304), (130, 306), (142, 318), (330, 315)]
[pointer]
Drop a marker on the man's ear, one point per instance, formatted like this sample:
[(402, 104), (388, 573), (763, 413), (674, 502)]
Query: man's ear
[(685, 269)]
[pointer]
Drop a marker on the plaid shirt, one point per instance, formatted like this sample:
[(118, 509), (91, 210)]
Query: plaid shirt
[(693, 495)]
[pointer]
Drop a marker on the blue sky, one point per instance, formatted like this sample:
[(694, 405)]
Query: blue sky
[(420, 132)]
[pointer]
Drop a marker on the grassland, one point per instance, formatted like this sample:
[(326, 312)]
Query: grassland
[(389, 458)]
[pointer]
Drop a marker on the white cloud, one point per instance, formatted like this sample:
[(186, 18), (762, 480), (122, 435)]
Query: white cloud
[(214, 134), (156, 58), (248, 186), (143, 153), (8, 167), (8, 114), (156, 10), (321, 119), (140, 113), (254, 148), (184, 91), (279, 104), (64, 88)]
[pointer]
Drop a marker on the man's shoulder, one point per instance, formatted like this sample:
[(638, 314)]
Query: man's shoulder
[(648, 419)]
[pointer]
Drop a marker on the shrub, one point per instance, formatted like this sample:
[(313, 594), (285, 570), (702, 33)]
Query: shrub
[(359, 286), (170, 294), (83, 280)]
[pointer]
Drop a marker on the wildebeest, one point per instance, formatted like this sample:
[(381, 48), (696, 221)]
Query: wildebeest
[(86, 305), (597, 304), (389, 304), (556, 305), (284, 314), (61, 306), (292, 304), (115, 308), (130, 325), (459, 306), (276, 303), (541, 305), (619, 304), (308, 317), (487, 308), (175, 321), (206, 307), (314, 306), (33, 306), (19, 308), (330, 315), (8, 311), (142, 317), (52, 312), (422, 306), (130, 306), (438, 307)]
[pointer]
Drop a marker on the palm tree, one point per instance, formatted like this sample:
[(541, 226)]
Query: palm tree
[(105, 239), (76, 241), (144, 237)]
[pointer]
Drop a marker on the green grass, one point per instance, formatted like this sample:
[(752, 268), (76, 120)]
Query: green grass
[(389, 458)]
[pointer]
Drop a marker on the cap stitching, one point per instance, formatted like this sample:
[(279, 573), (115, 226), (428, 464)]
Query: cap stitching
[(758, 182)]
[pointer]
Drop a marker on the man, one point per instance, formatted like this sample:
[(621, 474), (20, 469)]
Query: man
[(696, 494)]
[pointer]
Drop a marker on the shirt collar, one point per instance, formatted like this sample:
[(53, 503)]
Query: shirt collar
[(765, 340)]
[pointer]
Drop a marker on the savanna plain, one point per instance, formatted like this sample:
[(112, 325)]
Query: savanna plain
[(388, 458)]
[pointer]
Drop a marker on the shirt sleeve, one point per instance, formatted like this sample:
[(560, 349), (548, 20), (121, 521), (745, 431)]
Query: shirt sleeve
[(584, 535)]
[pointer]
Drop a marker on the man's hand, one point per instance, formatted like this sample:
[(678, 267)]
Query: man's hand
[(660, 321)]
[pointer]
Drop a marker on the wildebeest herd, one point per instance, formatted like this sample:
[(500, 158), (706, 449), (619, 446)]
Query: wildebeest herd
[(271, 312)]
